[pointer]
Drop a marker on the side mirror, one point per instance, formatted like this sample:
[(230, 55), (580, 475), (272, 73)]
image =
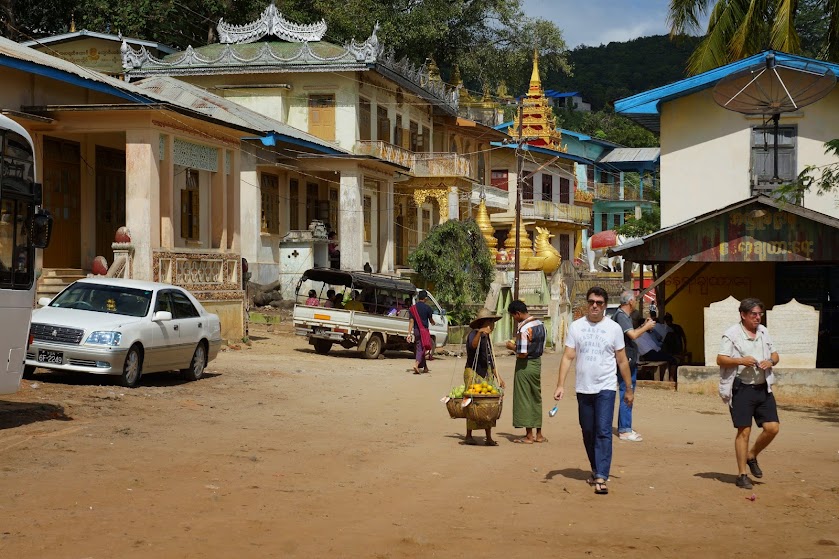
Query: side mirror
[(161, 316), (44, 301), (42, 229)]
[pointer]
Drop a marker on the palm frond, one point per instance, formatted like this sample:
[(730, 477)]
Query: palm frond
[(683, 15), (751, 35), (784, 36), (713, 51), (832, 9)]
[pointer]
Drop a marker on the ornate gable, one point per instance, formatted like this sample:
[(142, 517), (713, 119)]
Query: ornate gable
[(270, 23)]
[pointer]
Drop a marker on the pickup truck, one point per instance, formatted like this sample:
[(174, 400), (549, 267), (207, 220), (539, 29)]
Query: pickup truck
[(370, 330)]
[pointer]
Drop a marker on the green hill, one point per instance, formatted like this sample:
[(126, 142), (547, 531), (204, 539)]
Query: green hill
[(610, 72)]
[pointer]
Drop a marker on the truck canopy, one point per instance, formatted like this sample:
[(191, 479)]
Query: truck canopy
[(357, 280)]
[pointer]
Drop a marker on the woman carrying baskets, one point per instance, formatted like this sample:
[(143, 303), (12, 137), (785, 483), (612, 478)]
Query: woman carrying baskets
[(480, 367)]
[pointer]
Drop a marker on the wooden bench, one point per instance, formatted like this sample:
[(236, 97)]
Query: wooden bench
[(651, 368)]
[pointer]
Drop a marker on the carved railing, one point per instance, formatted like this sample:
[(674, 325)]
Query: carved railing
[(609, 191), (208, 275), (551, 211), (583, 197), (441, 165), (420, 164)]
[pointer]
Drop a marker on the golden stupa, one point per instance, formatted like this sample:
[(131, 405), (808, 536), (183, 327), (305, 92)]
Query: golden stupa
[(538, 121)]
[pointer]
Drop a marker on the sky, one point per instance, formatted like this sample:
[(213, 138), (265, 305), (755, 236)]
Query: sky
[(595, 22)]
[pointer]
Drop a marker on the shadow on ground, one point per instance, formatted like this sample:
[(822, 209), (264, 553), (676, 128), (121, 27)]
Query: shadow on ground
[(829, 414), (84, 379), (17, 414), (570, 473)]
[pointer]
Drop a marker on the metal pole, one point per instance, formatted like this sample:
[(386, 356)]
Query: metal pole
[(519, 183)]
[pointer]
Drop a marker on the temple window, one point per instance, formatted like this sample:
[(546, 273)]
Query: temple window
[(415, 140), (191, 207), (499, 178), (294, 204), (616, 221), (382, 125), (368, 219), (365, 118), (322, 116), (527, 188), (397, 131), (604, 222), (564, 190), (332, 225), (270, 189), (312, 193), (425, 139), (548, 187)]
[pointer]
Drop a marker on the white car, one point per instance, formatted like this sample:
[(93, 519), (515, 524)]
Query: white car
[(122, 327)]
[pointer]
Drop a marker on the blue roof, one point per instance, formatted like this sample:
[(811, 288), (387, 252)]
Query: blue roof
[(645, 108), (545, 151), (559, 94)]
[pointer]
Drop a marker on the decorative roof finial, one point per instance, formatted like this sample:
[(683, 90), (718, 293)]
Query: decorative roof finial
[(72, 22), (535, 80)]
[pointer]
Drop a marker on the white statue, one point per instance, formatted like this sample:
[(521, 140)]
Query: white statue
[(613, 262)]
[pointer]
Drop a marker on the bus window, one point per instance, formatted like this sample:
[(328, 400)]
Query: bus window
[(15, 248)]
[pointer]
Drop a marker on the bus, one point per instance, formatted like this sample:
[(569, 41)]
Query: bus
[(24, 226)]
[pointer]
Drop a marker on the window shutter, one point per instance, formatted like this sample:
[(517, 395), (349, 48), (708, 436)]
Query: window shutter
[(196, 214), (185, 201)]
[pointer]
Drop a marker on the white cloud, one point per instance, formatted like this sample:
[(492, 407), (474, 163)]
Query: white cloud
[(596, 22)]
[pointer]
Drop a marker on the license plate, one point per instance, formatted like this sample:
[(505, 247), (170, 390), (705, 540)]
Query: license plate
[(52, 357), (318, 330)]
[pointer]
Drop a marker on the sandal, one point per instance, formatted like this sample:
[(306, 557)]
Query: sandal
[(491, 442), (600, 488), (523, 440)]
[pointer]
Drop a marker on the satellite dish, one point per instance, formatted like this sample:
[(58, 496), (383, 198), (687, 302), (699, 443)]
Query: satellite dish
[(773, 88)]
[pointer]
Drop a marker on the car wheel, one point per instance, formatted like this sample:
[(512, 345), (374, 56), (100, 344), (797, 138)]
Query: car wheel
[(132, 370), (196, 366), (29, 372), (322, 347), (375, 346)]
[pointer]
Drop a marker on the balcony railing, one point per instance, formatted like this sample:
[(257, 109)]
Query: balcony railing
[(441, 165), (420, 164), (551, 211), (609, 191), (206, 274)]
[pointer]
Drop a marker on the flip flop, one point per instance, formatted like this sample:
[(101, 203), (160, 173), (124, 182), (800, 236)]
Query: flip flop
[(491, 443), (523, 441), (600, 488), (542, 440)]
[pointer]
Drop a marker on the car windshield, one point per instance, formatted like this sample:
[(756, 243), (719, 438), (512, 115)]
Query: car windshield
[(111, 299)]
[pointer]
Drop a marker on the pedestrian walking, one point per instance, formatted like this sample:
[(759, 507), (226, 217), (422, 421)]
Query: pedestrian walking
[(529, 344), (421, 315), (598, 347), (746, 358)]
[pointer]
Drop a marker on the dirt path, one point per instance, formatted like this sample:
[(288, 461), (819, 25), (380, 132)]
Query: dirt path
[(284, 453)]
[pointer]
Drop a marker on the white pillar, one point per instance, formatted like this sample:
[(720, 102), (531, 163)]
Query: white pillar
[(351, 228), (142, 178), (454, 203), (385, 217), (251, 202)]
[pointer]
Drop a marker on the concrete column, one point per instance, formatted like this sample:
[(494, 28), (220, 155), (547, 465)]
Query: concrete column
[(385, 217), (167, 194), (142, 177), (351, 227), (217, 214), (454, 203), (235, 219)]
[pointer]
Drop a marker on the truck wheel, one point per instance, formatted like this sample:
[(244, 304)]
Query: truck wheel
[(375, 346), (28, 372), (322, 347)]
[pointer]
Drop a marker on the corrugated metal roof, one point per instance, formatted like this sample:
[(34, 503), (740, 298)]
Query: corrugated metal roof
[(631, 155), (645, 108), (186, 95), (64, 37)]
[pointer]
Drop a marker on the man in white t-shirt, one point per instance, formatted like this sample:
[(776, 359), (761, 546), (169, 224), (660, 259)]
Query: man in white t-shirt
[(598, 347)]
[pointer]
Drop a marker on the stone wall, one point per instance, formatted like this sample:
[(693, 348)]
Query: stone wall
[(793, 386)]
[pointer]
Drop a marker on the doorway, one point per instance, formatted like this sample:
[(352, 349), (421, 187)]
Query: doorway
[(62, 197), (110, 199)]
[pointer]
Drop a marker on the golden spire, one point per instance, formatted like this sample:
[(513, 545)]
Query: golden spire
[(456, 80), (535, 80), (433, 69), (72, 23), (539, 123)]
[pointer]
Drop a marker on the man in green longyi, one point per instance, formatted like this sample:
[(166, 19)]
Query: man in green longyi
[(529, 344)]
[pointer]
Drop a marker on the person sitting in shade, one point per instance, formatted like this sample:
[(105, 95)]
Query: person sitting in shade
[(354, 304), (338, 301), (330, 299), (312, 301)]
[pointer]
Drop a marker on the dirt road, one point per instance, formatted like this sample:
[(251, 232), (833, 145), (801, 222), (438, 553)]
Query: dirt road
[(280, 452)]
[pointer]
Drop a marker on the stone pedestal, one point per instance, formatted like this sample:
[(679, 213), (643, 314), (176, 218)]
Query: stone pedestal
[(719, 317)]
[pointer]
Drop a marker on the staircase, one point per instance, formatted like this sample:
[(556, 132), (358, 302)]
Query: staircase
[(54, 280)]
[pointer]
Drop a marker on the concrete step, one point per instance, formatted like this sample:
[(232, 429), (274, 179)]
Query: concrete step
[(63, 272)]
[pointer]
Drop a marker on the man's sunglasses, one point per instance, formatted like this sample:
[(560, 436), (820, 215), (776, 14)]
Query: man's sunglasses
[(595, 302)]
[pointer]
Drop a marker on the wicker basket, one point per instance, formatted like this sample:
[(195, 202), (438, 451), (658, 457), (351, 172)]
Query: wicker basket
[(456, 409), (484, 408)]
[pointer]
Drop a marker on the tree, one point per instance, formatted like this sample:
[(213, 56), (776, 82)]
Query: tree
[(740, 28), (454, 258), (824, 178), (650, 222), (606, 125)]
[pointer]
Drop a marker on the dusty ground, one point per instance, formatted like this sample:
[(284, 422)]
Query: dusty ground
[(284, 453)]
